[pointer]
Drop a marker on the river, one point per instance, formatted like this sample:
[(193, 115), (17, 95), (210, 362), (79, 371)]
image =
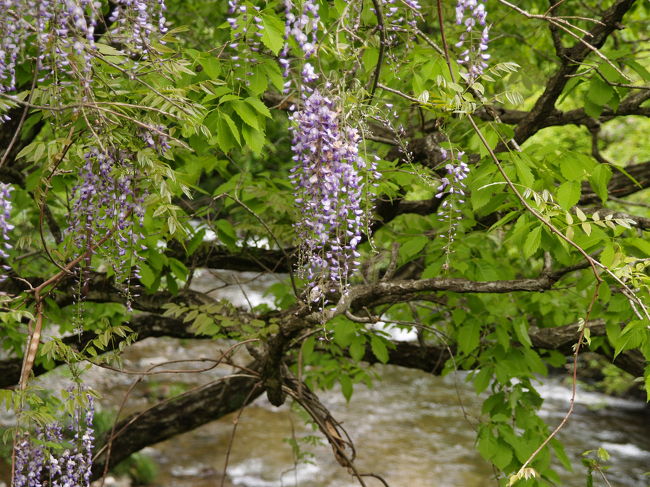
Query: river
[(409, 427)]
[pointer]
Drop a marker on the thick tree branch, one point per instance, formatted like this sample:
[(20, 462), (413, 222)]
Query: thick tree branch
[(177, 415), (630, 106), (571, 61)]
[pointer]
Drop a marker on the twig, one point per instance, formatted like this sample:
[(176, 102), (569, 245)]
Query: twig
[(35, 336), (574, 383), (559, 22)]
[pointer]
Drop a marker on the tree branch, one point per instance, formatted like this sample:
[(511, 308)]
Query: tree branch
[(574, 56)]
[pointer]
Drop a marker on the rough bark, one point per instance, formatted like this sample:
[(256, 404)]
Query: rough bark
[(175, 416)]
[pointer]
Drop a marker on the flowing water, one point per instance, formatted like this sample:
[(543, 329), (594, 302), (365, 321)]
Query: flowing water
[(410, 428)]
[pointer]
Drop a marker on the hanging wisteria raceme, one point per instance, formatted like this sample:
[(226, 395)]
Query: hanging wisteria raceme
[(329, 186), (303, 28), (400, 19), (470, 14), (156, 138), (38, 466), (397, 17), (5, 225), (136, 21), (12, 37), (5, 215), (452, 185), (64, 39), (106, 200), (65, 36), (247, 27)]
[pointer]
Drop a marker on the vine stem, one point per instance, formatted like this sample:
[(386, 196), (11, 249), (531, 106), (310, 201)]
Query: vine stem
[(34, 339), (382, 46), (574, 384), (231, 442)]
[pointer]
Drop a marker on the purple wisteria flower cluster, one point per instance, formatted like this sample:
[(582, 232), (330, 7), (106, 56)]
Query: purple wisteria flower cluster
[(329, 186), (400, 22), (396, 17), (453, 185), (244, 23), (136, 21), (5, 225), (5, 215), (37, 465), (107, 199), (470, 13), (156, 138), (64, 38), (65, 35), (302, 26)]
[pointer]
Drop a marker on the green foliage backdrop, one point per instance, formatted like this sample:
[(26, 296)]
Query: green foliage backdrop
[(544, 256)]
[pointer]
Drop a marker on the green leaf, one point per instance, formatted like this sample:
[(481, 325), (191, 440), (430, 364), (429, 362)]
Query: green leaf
[(532, 242), (346, 386), (197, 240), (344, 332), (632, 336), (258, 106), (599, 92), (481, 196), (412, 247), (178, 268), (254, 139), (246, 113), (600, 179), (568, 194), (524, 173), (227, 134), (147, 276), (570, 170), (640, 70), (212, 67), (273, 33), (258, 82), (358, 348), (379, 348), (274, 74), (502, 455), (370, 57), (482, 379), (232, 127), (108, 50), (520, 325), (592, 109), (468, 336), (487, 444)]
